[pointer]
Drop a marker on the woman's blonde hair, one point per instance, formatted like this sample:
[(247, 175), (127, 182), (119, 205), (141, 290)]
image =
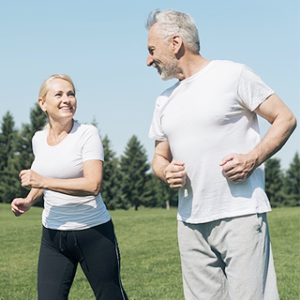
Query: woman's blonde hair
[(45, 89), (45, 85)]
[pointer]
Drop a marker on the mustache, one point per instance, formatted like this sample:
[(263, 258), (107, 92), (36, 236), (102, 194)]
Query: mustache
[(156, 66)]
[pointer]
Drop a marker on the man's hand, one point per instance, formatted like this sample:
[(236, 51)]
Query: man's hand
[(238, 167), (175, 174)]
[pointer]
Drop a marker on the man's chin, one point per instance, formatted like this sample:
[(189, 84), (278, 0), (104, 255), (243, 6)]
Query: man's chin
[(166, 78)]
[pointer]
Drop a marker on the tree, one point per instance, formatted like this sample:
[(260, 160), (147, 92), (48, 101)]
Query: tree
[(110, 189), (24, 154), (7, 136), (134, 175), (9, 175), (168, 195), (292, 182), (274, 182), (160, 194), (152, 197)]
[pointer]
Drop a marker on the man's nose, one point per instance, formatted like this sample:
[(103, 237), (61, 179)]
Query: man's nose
[(149, 60)]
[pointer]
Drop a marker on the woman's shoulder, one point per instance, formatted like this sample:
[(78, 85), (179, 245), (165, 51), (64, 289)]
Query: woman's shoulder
[(40, 133), (83, 129), (84, 126)]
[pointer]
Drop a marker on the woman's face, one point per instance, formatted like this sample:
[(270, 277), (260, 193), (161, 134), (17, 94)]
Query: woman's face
[(60, 101)]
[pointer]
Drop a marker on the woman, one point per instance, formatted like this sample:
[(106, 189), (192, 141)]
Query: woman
[(67, 171)]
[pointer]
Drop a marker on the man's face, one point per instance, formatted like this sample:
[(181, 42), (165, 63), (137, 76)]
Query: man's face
[(160, 55)]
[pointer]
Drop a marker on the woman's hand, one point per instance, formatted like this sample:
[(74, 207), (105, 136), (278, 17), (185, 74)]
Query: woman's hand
[(31, 178), (19, 206)]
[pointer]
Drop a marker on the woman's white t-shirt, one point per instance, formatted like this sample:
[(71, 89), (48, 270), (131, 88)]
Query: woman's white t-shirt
[(65, 161), (204, 118)]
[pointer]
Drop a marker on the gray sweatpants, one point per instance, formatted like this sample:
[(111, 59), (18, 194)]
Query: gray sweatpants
[(228, 259)]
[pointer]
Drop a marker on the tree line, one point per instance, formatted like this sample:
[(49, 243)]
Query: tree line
[(127, 180)]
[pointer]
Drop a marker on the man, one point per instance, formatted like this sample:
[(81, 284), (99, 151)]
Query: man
[(207, 145)]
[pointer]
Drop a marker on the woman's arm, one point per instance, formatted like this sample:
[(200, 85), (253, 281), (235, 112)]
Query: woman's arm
[(20, 205), (87, 185)]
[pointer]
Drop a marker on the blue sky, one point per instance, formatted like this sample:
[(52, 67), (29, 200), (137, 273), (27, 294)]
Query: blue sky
[(102, 45)]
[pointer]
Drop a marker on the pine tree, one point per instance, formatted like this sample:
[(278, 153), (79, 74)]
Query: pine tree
[(9, 175), (24, 154), (110, 188), (7, 136), (168, 196), (134, 169), (292, 182), (152, 196), (160, 194), (274, 182)]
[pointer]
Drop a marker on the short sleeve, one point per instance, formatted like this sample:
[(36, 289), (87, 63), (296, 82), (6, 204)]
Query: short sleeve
[(92, 147), (155, 131), (251, 89)]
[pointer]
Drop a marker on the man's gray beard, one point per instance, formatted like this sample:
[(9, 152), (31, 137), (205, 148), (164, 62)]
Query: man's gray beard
[(167, 72)]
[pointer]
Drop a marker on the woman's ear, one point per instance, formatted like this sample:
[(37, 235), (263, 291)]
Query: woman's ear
[(42, 104)]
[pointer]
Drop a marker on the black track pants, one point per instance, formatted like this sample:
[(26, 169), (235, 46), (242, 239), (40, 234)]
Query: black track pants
[(97, 252)]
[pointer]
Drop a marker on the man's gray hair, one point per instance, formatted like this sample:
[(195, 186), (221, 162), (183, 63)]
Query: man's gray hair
[(171, 23)]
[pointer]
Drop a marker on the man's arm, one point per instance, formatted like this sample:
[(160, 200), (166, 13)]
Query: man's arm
[(169, 171), (238, 167)]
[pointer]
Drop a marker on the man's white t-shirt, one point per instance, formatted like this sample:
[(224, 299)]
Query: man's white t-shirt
[(204, 118), (65, 161)]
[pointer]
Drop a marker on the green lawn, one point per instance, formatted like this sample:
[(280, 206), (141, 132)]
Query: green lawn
[(149, 253)]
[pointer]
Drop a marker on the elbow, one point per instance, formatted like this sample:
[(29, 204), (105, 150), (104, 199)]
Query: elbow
[(293, 123), (94, 189)]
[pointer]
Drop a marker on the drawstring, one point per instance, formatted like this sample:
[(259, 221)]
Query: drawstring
[(63, 246), (61, 233), (75, 239), (63, 236)]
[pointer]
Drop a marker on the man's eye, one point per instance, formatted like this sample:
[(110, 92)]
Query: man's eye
[(151, 51), (57, 94)]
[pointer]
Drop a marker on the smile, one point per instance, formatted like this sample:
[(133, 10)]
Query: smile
[(66, 108)]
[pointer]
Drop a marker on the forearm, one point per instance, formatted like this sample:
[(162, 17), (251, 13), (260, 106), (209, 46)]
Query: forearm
[(159, 166), (34, 195), (276, 137), (171, 172), (75, 187)]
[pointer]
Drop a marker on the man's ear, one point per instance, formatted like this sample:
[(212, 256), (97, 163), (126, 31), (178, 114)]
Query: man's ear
[(177, 43)]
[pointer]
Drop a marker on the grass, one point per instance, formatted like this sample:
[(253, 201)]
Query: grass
[(149, 254)]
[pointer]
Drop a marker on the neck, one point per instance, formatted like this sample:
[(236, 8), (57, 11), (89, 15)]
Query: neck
[(60, 129), (190, 64)]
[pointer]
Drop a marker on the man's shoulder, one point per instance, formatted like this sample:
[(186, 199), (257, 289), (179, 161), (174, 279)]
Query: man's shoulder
[(228, 64), (169, 90)]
